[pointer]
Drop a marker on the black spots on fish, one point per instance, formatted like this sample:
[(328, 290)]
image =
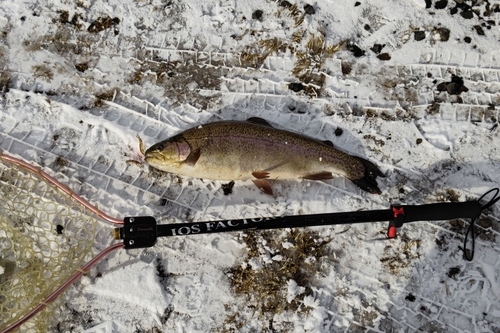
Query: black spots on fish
[(357, 3), (263, 185), (410, 297), (260, 174), (193, 157), (59, 229), (319, 176), (338, 131), (419, 141), (228, 188)]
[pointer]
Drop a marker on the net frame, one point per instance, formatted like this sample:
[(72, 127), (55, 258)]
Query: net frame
[(46, 238)]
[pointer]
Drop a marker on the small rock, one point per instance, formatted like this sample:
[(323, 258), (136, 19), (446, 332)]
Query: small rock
[(467, 14), (384, 56), (467, 40), (479, 30), (285, 4), (357, 4), (356, 50), (296, 86), (441, 4), (309, 9), (257, 15), (377, 48), (444, 34), (419, 35), (455, 87)]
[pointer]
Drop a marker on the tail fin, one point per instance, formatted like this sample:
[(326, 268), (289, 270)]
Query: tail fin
[(369, 182)]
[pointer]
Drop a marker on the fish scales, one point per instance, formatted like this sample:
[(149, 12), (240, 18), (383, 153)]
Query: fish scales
[(232, 151), (253, 149)]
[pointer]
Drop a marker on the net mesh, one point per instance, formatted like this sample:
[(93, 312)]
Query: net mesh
[(45, 236)]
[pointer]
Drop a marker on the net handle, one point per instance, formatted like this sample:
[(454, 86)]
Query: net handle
[(62, 187), (78, 274)]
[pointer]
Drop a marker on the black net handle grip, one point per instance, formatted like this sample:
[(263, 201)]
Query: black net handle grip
[(442, 211)]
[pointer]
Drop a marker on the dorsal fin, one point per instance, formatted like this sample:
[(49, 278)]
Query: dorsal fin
[(259, 121), (328, 143)]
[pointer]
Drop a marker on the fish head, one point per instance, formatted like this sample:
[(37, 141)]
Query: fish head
[(168, 154)]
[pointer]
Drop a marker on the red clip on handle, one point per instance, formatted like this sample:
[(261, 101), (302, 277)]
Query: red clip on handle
[(391, 233)]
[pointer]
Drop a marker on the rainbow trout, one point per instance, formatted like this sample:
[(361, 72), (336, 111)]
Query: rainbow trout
[(253, 149)]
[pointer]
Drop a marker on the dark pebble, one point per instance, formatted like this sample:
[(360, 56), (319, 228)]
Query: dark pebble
[(296, 86), (429, 75), (356, 50), (377, 48), (401, 190), (257, 15), (228, 188), (384, 56), (285, 4), (428, 3), (339, 131), (441, 4), (479, 30), (444, 33), (467, 14), (419, 35), (467, 40), (309, 9), (357, 4), (454, 271)]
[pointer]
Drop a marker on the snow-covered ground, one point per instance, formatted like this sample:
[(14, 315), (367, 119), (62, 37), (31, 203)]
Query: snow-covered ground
[(413, 86)]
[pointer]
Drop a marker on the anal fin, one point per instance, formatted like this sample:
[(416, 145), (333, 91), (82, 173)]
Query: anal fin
[(319, 176), (263, 185)]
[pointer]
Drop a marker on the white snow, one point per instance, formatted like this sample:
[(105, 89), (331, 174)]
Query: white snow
[(172, 65)]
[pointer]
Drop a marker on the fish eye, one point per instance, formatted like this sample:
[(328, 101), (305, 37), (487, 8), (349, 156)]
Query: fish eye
[(158, 149)]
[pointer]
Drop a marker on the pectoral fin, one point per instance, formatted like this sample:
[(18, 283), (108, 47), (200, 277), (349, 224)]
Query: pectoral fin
[(193, 157), (263, 185), (319, 176)]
